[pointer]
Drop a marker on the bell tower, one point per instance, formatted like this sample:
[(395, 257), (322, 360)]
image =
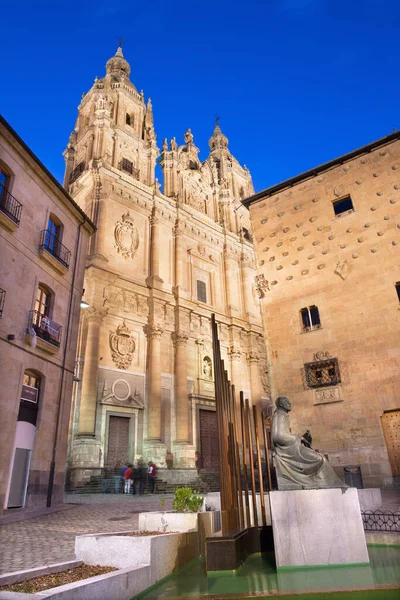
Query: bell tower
[(114, 129)]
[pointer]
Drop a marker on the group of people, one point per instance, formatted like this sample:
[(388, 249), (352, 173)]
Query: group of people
[(135, 478)]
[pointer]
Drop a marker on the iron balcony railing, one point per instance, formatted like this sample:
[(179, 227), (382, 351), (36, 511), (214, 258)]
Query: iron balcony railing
[(2, 299), (10, 205), (50, 242), (127, 165), (378, 520), (76, 172), (45, 328)]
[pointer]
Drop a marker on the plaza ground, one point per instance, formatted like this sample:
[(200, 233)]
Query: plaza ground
[(28, 541)]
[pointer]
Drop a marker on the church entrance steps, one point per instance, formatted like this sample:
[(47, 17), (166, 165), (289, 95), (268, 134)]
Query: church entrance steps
[(106, 481)]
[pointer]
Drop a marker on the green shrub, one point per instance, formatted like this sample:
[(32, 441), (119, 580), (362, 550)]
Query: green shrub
[(186, 501)]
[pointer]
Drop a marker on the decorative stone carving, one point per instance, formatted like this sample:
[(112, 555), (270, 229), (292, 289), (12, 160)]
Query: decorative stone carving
[(342, 269), (121, 395), (207, 368), (321, 355), (122, 346), (338, 190), (126, 236), (261, 285), (327, 395)]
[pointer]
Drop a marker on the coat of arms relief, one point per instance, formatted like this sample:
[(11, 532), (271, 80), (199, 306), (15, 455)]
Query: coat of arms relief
[(122, 346), (126, 236)]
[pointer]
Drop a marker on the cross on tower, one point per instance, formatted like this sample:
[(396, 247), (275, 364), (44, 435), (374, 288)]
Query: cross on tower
[(121, 42)]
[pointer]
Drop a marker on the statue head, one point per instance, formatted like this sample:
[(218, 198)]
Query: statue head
[(283, 402)]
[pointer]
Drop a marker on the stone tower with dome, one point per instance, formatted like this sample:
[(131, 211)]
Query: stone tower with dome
[(159, 264)]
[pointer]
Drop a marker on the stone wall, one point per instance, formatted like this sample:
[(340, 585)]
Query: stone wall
[(24, 268), (347, 266)]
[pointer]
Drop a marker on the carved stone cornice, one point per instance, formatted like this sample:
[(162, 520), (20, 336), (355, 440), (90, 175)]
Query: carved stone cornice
[(95, 315), (178, 229), (180, 338), (154, 219), (253, 358), (235, 353), (153, 331)]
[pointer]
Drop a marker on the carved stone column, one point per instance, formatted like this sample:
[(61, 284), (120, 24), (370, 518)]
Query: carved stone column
[(179, 257), (231, 281), (154, 387), (154, 281), (248, 272), (181, 393), (87, 414), (86, 448), (255, 380)]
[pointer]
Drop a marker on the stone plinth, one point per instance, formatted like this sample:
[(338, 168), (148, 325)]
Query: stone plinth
[(318, 527)]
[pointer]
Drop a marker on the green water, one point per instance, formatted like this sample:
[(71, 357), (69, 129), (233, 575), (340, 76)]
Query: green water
[(259, 576)]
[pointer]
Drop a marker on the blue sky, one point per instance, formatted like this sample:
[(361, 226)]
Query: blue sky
[(296, 82)]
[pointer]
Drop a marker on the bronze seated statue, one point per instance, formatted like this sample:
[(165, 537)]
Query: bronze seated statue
[(298, 466)]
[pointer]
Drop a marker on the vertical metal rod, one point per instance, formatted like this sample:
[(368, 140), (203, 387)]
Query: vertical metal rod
[(260, 475), (253, 481), (238, 474), (244, 445), (267, 457), (220, 416)]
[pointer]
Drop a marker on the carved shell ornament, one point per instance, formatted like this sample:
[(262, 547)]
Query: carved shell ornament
[(122, 346), (126, 236)]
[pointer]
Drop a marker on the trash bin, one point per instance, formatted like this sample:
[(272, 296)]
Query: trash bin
[(353, 477)]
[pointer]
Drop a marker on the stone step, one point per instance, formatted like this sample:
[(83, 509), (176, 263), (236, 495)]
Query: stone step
[(167, 481)]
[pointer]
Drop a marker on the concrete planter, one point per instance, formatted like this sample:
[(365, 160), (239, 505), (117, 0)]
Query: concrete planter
[(164, 553), (119, 585), (168, 521), (141, 560)]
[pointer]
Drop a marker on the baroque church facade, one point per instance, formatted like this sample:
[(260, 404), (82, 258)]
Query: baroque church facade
[(159, 264)]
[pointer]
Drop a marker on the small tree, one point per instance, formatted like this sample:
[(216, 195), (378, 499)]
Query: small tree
[(185, 500)]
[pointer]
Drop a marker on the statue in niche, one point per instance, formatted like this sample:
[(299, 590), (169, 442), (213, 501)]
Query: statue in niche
[(173, 144), (207, 367), (298, 466)]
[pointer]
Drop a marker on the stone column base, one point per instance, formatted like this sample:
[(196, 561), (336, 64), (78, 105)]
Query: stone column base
[(87, 452), (184, 457), (155, 451), (318, 527)]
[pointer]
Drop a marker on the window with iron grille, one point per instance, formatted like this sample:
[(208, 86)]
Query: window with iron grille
[(127, 165), (2, 299), (310, 318), (201, 291), (76, 172), (322, 373), (343, 205)]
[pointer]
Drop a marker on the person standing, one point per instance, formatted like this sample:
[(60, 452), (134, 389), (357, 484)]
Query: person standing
[(151, 476), (128, 480), (142, 475)]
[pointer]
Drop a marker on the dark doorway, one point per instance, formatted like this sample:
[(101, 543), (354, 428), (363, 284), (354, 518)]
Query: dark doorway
[(118, 441), (209, 439)]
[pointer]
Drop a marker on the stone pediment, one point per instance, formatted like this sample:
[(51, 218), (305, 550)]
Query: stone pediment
[(121, 394)]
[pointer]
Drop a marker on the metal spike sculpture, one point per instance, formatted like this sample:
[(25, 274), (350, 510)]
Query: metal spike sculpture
[(237, 450)]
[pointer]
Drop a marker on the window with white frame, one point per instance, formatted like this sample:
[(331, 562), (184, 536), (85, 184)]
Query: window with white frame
[(310, 318)]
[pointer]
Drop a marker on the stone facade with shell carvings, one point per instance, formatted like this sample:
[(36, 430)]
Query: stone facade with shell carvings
[(327, 245), (158, 266)]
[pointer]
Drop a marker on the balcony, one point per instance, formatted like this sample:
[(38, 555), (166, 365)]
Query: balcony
[(53, 251), (10, 209), (127, 166), (76, 172), (48, 332), (2, 299)]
